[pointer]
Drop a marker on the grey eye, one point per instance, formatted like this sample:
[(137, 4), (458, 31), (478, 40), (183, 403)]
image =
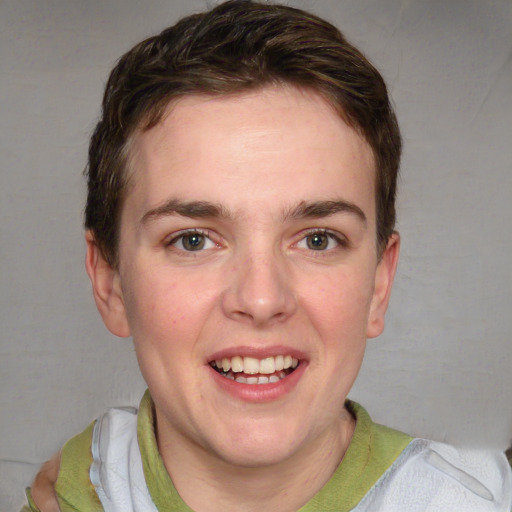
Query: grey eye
[(192, 241)]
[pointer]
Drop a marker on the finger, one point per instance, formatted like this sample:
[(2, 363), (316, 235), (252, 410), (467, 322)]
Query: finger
[(43, 488)]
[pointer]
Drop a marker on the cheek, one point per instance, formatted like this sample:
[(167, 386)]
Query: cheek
[(164, 309), (339, 303), (163, 327)]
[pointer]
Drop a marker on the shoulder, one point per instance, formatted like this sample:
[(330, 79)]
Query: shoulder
[(430, 476), (71, 484), (101, 466), (73, 487), (107, 448), (117, 471)]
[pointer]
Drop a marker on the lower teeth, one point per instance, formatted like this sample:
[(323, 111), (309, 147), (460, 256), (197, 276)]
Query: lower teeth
[(262, 379)]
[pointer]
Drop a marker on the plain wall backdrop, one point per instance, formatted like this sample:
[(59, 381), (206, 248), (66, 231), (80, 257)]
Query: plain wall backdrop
[(442, 369)]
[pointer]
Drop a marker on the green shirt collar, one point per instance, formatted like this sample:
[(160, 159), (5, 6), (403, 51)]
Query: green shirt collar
[(371, 452)]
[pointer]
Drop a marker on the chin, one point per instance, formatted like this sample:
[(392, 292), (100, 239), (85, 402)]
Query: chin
[(259, 447), (257, 458)]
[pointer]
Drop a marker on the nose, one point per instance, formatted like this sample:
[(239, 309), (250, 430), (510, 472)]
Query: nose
[(259, 291)]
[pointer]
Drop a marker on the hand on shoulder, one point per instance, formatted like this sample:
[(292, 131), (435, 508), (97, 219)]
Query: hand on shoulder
[(43, 487)]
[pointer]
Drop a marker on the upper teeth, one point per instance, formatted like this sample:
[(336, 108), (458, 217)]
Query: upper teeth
[(253, 366)]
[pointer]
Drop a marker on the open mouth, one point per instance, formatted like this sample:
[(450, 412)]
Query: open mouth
[(249, 370)]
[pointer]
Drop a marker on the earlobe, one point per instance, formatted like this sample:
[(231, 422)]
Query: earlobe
[(106, 288), (384, 277)]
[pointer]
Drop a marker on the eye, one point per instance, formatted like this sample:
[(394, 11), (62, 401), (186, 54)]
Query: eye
[(320, 240), (192, 241)]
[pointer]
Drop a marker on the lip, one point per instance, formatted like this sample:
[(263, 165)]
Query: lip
[(259, 393)]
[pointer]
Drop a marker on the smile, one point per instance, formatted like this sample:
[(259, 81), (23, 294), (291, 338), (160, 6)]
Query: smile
[(249, 370)]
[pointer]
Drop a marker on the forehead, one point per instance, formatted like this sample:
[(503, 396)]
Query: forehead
[(276, 142)]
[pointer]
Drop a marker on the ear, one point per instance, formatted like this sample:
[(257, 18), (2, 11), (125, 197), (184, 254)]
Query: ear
[(106, 288), (384, 277)]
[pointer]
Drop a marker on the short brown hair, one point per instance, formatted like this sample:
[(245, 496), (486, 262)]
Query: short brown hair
[(237, 46)]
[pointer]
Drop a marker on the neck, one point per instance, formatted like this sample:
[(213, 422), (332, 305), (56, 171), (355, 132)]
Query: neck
[(207, 483)]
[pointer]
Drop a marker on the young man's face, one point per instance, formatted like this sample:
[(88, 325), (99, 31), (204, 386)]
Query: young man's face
[(248, 275)]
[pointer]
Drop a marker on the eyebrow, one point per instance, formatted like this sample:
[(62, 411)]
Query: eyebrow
[(205, 209), (319, 209), (193, 209)]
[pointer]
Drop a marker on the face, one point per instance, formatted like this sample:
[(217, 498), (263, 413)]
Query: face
[(248, 275)]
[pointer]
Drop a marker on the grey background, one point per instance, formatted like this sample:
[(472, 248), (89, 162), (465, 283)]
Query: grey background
[(443, 367)]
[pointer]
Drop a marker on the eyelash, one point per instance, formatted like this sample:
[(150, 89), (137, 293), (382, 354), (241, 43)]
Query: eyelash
[(181, 235), (336, 237)]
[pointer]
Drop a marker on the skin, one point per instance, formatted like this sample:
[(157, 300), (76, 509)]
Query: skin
[(42, 488), (258, 287)]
